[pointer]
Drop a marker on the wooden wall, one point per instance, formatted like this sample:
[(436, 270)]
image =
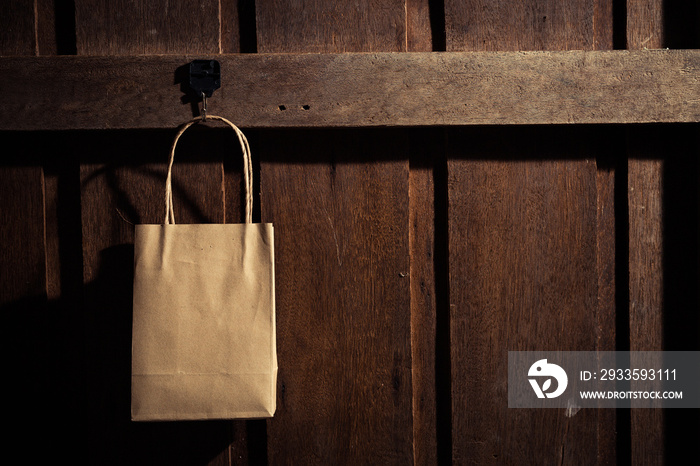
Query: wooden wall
[(408, 261)]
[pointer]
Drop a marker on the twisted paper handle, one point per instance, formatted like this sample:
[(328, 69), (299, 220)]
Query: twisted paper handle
[(247, 170)]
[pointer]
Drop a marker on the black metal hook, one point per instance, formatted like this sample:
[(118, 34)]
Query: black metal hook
[(205, 78)]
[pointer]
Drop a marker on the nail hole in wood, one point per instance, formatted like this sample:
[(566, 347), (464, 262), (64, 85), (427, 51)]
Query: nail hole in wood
[(306, 107), (282, 107)]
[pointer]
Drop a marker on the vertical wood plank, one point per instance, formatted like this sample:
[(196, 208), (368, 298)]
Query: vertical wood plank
[(230, 20), (419, 33), (427, 149), (22, 245), (646, 326), (321, 26), (646, 250), (54, 272), (46, 27), (645, 24), (524, 276), (22, 192), (532, 25), (607, 175), (126, 27), (18, 28), (603, 25), (344, 387), (645, 29), (343, 310)]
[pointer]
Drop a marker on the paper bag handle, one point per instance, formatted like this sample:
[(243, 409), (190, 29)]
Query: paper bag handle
[(247, 170)]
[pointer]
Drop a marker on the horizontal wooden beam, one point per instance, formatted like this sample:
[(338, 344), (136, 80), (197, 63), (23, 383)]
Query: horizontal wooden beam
[(357, 89)]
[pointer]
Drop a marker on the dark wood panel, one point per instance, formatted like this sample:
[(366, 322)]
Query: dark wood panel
[(46, 27), (523, 277), (645, 29), (17, 28), (230, 36), (25, 333), (541, 25), (645, 24), (527, 254), (146, 27), (427, 150), (327, 90), (419, 30), (609, 170), (343, 302), (22, 245), (62, 224), (646, 321), (322, 26), (342, 258), (646, 247)]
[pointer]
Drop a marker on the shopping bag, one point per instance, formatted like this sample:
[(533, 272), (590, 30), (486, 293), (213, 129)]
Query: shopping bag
[(203, 334)]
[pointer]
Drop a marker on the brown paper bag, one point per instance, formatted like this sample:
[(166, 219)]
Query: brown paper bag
[(204, 342)]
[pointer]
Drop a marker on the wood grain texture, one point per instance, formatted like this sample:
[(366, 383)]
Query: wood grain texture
[(342, 252), (340, 90), (146, 27), (22, 244), (535, 25), (46, 27), (331, 27), (426, 151), (419, 32), (230, 31), (646, 282), (18, 28), (526, 249), (606, 217), (608, 171), (646, 29), (343, 316), (646, 250), (523, 277), (645, 24)]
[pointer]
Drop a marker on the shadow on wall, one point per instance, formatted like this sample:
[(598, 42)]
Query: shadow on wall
[(69, 372), (681, 250)]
